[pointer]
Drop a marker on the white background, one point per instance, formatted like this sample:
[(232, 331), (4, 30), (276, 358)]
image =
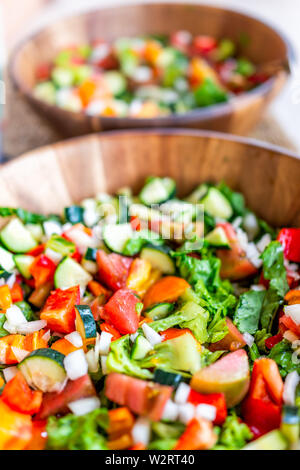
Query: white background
[(285, 14)]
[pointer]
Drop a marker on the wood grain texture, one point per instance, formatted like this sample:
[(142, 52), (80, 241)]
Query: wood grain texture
[(238, 116), (47, 179)]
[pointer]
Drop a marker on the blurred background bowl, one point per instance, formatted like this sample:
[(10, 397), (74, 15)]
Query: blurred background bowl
[(237, 116), (50, 178)]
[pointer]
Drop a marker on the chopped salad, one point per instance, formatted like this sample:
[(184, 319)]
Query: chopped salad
[(149, 322), (147, 76)]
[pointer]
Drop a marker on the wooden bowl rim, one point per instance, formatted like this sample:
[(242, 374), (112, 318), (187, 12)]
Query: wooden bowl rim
[(162, 132), (212, 111)]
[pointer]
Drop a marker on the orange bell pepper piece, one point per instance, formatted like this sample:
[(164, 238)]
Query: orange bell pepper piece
[(15, 428), (121, 443), (138, 446), (168, 289), (19, 397), (86, 91), (97, 289), (293, 297), (35, 341), (7, 355), (198, 435), (40, 294), (39, 435), (64, 346), (139, 273), (16, 293), (5, 298), (121, 420)]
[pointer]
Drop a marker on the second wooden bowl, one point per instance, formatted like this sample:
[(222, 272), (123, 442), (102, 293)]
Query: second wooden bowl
[(50, 178), (238, 116)]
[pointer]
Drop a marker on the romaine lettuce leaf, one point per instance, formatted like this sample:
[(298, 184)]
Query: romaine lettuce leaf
[(248, 311)]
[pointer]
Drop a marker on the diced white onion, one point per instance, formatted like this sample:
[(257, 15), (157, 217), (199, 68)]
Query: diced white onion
[(133, 337), (141, 431), (51, 227), (89, 266), (75, 339), (81, 239), (53, 255), (253, 255), (84, 405), (31, 327), (186, 412), (264, 242), (289, 389), (76, 364), (9, 373), (103, 365), (171, 411), (250, 224), (206, 411), (249, 339), (293, 311), (90, 217), (104, 343), (15, 316), (46, 336), (237, 222), (182, 393), (19, 353), (92, 360), (152, 336), (11, 280), (257, 287), (10, 328), (290, 336)]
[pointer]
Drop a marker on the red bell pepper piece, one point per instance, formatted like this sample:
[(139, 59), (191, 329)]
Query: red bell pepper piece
[(204, 44), (135, 223), (215, 399), (19, 397), (273, 340), (59, 310), (105, 326), (42, 270), (290, 240), (113, 269), (289, 324), (121, 311), (16, 293), (36, 251), (198, 435)]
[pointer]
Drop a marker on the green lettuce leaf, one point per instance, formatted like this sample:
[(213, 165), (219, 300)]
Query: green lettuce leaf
[(119, 360), (282, 354), (248, 311), (273, 268), (233, 435), (78, 432)]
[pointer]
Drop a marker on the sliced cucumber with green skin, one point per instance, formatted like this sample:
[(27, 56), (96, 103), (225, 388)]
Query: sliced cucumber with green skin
[(85, 323), (116, 82), (274, 440), (159, 258), (61, 245), (23, 263), (16, 238), (216, 204), (115, 237), (63, 77), (91, 254), (74, 214), (167, 378), (69, 274), (290, 423), (36, 231), (44, 370), (140, 348), (157, 190), (6, 260), (159, 311), (4, 274), (218, 238), (26, 310), (197, 194)]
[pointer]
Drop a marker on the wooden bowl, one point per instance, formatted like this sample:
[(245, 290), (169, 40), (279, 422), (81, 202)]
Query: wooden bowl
[(238, 116), (47, 179)]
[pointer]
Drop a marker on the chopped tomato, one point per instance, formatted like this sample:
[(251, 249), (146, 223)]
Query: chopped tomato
[(121, 311), (19, 397), (43, 72), (167, 289), (105, 326), (57, 402), (172, 333), (97, 308), (204, 44), (140, 396), (16, 293), (235, 264), (42, 270), (231, 342), (198, 435), (59, 311), (113, 269), (181, 40), (15, 428), (215, 399)]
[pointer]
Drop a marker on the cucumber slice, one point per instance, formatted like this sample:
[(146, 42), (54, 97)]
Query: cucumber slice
[(216, 204), (23, 263), (116, 82), (45, 91), (69, 274), (36, 231), (167, 378), (159, 258), (159, 311), (290, 423), (218, 238), (44, 369), (74, 214), (197, 194), (63, 77), (85, 324), (6, 260), (16, 238), (115, 237), (140, 348), (157, 190), (91, 254), (60, 245), (274, 440)]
